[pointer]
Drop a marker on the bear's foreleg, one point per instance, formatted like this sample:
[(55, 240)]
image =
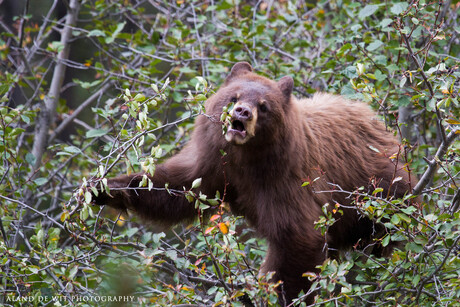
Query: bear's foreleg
[(159, 204)]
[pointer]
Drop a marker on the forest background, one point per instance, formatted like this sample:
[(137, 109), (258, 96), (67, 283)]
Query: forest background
[(94, 89)]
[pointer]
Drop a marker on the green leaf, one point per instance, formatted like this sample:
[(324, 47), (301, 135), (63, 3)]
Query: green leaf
[(139, 97), (379, 75), (95, 33), (403, 217), (196, 183), (224, 5), (350, 72), (402, 82), (386, 240), (156, 237), (403, 101), (72, 149), (213, 202), (96, 133), (398, 8), (385, 22), (374, 45), (367, 11), (392, 68), (73, 271), (30, 158), (200, 97), (112, 38), (172, 254), (409, 210), (4, 88), (414, 247), (88, 197), (416, 280), (25, 118), (84, 213), (87, 85), (203, 206), (56, 46), (40, 181), (344, 48), (131, 231), (187, 70), (305, 183)]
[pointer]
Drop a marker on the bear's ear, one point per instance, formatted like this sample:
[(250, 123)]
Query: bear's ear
[(241, 67), (238, 69), (286, 84)]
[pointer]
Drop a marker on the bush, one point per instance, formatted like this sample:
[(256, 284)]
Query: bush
[(117, 91)]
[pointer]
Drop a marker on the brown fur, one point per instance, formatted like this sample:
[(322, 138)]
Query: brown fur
[(326, 137)]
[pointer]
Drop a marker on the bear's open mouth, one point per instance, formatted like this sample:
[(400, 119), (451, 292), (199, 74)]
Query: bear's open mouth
[(238, 126), (239, 130)]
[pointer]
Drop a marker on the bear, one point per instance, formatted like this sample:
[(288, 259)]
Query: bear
[(285, 158)]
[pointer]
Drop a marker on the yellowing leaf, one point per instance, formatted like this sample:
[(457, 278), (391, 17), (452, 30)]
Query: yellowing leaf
[(223, 228), (120, 222), (214, 217), (453, 121), (64, 216), (209, 229), (309, 275)]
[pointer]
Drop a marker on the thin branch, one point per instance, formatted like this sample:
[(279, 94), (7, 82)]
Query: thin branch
[(455, 203), (34, 210), (78, 110), (428, 84), (433, 163), (427, 278)]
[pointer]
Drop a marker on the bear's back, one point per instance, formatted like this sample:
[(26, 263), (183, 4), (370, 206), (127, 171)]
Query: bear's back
[(347, 139)]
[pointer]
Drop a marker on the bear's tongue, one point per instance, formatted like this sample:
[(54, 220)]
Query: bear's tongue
[(237, 125)]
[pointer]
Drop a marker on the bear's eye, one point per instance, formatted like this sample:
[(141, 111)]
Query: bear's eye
[(234, 99), (263, 107)]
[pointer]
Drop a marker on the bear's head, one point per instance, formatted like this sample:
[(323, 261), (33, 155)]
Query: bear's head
[(260, 105)]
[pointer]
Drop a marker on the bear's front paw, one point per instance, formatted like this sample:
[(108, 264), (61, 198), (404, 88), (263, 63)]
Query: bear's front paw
[(113, 195)]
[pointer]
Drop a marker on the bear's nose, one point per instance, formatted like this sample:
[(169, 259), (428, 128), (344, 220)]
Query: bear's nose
[(243, 112)]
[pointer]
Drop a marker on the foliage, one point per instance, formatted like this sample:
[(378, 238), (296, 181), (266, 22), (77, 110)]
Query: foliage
[(117, 91)]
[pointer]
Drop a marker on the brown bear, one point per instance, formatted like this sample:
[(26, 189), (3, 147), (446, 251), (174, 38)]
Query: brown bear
[(273, 143)]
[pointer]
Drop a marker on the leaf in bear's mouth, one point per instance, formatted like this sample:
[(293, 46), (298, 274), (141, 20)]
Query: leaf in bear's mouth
[(238, 125)]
